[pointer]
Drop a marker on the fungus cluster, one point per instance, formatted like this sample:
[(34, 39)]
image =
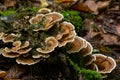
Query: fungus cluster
[(46, 32), (98, 62)]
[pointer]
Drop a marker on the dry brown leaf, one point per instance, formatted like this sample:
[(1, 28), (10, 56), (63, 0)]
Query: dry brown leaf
[(91, 34), (91, 6), (103, 4), (109, 39), (118, 29), (88, 6), (9, 3)]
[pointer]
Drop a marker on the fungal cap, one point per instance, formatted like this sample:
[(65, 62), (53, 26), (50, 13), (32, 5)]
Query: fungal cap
[(34, 20), (92, 66), (24, 51), (66, 27), (10, 54), (50, 44), (26, 44), (9, 37), (89, 59), (56, 17), (86, 50), (41, 56), (2, 73), (1, 35), (40, 17), (17, 43), (105, 64), (44, 10), (76, 45), (67, 34), (26, 61), (15, 48)]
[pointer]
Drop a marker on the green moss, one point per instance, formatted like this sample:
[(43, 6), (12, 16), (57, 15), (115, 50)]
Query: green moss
[(73, 17), (86, 74), (7, 12)]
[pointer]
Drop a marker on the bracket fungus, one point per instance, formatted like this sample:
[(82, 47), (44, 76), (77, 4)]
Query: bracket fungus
[(26, 60), (104, 63), (8, 37), (45, 21), (16, 50), (66, 34), (44, 10), (76, 45), (86, 50), (45, 34), (50, 44)]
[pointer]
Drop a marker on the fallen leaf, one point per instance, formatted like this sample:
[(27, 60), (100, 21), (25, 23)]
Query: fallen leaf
[(87, 6), (103, 4), (109, 39), (118, 29), (9, 3)]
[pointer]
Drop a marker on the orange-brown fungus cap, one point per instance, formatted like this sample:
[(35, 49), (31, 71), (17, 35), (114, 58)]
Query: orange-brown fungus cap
[(3, 74), (55, 16), (34, 20), (50, 44), (11, 54), (87, 50), (66, 27), (67, 34), (26, 61), (40, 17), (44, 10), (89, 59), (104, 63), (76, 45), (9, 37), (41, 55), (26, 44), (1, 35), (16, 50)]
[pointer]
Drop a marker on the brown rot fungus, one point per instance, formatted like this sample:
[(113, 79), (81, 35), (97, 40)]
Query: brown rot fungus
[(45, 35)]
